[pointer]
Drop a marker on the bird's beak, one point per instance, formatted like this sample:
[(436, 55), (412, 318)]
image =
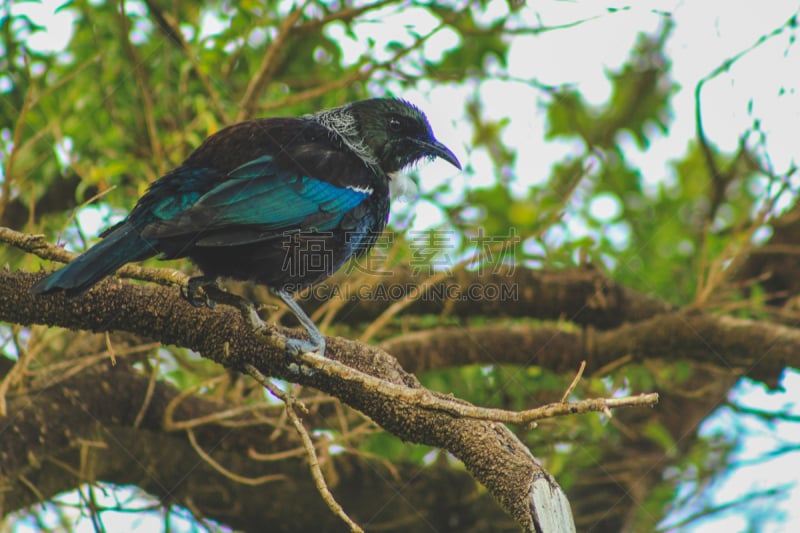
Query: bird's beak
[(434, 148)]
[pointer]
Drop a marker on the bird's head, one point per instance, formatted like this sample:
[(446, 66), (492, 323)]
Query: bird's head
[(387, 132), (398, 133)]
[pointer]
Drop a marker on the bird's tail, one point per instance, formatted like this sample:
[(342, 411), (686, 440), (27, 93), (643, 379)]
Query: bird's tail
[(122, 245)]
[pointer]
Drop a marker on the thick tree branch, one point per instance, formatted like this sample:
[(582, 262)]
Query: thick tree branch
[(51, 428), (581, 295), (760, 350)]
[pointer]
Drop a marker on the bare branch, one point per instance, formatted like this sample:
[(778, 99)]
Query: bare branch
[(313, 463), (53, 426), (250, 482), (574, 383), (170, 28), (268, 65), (41, 247), (142, 83)]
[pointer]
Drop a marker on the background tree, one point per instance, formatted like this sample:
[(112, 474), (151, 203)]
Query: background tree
[(673, 286)]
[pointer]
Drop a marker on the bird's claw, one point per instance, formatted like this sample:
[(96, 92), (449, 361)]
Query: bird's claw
[(295, 347), (196, 294)]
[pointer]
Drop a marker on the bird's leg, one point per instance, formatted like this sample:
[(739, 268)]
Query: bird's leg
[(196, 291), (297, 346)]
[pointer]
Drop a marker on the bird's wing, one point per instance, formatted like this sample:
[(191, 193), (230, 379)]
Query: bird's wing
[(258, 202)]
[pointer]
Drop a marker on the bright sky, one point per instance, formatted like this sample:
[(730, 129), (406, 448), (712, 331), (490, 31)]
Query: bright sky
[(705, 35)]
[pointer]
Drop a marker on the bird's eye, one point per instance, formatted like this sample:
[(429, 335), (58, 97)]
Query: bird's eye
[(395, 125)]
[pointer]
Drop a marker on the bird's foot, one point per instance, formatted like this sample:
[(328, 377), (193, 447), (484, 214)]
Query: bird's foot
[(197, 290), (296, 347)]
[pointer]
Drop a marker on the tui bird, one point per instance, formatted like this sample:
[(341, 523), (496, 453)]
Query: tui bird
[(280, 201)]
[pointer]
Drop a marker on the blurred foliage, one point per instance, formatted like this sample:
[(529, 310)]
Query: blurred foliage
[(141, 83)]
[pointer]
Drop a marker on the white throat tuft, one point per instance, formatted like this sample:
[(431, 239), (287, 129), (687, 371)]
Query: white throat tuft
[(401, 187)]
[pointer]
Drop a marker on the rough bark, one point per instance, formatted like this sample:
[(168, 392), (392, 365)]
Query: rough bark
[(82, 430), (582, 295), (759, 350)]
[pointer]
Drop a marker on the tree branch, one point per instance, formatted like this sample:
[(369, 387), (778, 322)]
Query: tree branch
[(760, 350), (261, 79), (44, 458)]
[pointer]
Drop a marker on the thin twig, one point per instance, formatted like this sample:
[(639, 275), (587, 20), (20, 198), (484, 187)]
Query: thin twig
[(612, 366), (574, 383), (719, 179), (31, 99), (345, 14), (268, 65), (426, 399), (110, 349), (316, 472), (250, 481), (39, 496), (78, 209), (359, 72), (144, 90), (224, 417), (170, 28), (40, 247), (8, 170), (320, 90), (148, 396), (169, 420), (61, 371), (275, 456)]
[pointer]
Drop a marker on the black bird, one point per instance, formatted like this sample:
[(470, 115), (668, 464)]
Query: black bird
[(280, 201)]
